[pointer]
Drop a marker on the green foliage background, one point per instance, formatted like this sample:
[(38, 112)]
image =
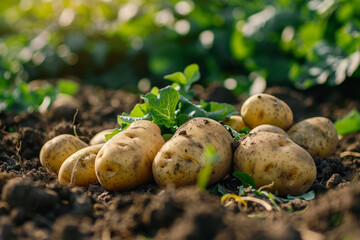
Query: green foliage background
[(116, 43)]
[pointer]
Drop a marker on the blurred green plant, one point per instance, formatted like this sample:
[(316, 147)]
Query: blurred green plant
[(117, 43), (349, 123), (26, 97)]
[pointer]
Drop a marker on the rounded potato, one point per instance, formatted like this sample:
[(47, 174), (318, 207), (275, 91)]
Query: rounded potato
[(269, 128), (182, 157), (235, 122), (316, 135), (82, 163), (124, 162), (99, 138), (266, 109), (270, 157), (57, 150)]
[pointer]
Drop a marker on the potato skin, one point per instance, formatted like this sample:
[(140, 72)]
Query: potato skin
[(235, 122), (99, 138), (55, 151), (316, 135), (85, 170), (182, 157), (270, 157), (124, 162), (266, 109), (269, 128)]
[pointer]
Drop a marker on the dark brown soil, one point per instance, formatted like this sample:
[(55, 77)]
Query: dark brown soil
[(34, 205)]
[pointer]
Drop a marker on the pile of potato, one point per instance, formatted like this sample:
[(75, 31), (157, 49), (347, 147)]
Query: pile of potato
[(275, 152)]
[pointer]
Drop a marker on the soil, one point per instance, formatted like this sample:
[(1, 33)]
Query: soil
[(34, 205)]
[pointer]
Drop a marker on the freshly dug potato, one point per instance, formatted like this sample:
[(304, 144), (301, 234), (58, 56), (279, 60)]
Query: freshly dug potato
[(182, 157), (57, 150), (316, 135), (82, 163), (266, 109), (269, 128), (100, 137), (235, 122), (124, 162), (271, 157)]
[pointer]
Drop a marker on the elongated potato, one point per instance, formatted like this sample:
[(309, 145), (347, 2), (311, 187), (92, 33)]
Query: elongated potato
[(57, 150), (275, 158), (82, 165), (269, 128), (235, 122), (99, 138), (124, 162), (182, 157), (266, 109), (316, 135)]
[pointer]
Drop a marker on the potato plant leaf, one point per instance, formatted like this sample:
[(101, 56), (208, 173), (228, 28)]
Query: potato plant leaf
[(184, 80), (349, 123), (245, 179), (218, 111), (162, 106)]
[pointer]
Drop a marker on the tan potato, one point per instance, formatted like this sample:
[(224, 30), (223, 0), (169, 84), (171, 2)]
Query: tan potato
[(100, 137), (57, 150), (270, 157), (182, 157), (235, 122), (316, 135), (269, 128), (82, 163), (266, 109), (124, 162)]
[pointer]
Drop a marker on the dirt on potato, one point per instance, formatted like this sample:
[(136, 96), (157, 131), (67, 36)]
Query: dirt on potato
[(33, 205)]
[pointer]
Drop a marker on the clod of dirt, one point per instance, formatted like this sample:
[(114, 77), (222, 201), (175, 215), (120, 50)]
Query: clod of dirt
[(19, 192), (72, 227)]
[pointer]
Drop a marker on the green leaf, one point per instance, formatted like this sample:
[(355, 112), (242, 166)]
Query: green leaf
[(234, 133), (245, 179), (218, 111), (162, 107), (181, 119), (191, 110), (110, 135), (192, 74), (177, 77), (305, 196), (349, 123), (67, 87), (138, 113)]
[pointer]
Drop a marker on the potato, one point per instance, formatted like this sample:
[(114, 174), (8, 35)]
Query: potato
[(269, 128), (266, 109), (57, 150), (235, 122), (182, 157), (124, 162), (316, 135), (82, 163), (100, 137), (271, 157)]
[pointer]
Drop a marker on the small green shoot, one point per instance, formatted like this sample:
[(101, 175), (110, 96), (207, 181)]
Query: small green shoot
[(211, 156), (184, 80), (349, 123)]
